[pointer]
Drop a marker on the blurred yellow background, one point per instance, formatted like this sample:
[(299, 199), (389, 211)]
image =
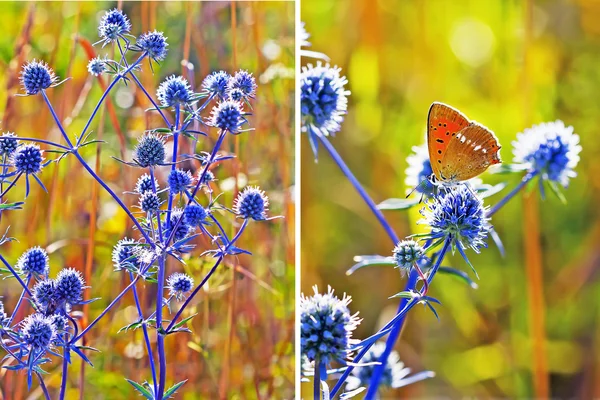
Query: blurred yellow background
[(508, 65), (242, 340)]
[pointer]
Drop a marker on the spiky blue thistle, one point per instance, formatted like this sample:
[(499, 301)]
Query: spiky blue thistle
[(149, 202), (113, 25), (44, 293), (244, 82), (175, 90), (34, 262), (251, 203), (28, 159), (96, 66), (407, 254), (60, 322), (125, 255), (194, 214), (216, 83), (182, 230), (228, 115), (8, 144), (37, 76), (145, 183), (154, 43), (150, 150), (38, 331), (69, 286), (179, 285), (179, 180)]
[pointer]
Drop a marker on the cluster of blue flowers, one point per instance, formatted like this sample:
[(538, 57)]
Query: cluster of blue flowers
[(455, 217), (168, 220)]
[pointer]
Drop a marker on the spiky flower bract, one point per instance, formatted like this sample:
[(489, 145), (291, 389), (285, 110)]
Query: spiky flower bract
[(38, 331), (145, 184), (149, 202), (244, 82), (8, 144), (113, 25), (236, 95), (154, 43), (96, 66), (251, 203), (37, 76), (28, 159), (150, 150), (179, 285), (69, 286), (407, 254), (175, 90), (182, 230), (323, 98), (208, 177), (34, 262), (194, 214), (227, 116), (459, 214), (216, 83), (60, 322), (124, 255), (179, 180), (44, 293), (326, 327), (394, 372), (550, 149)]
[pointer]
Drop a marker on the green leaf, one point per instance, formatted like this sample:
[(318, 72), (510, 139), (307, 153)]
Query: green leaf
[(145, 392), (365, 261), (459, 274), (407, 294), (183, 321), (556, 190), (173, 389), (398, 204)]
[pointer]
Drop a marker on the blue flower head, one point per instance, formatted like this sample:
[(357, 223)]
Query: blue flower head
[(236, 95), (124, 255), (407, 253), (179, 180), (251, 203), (8, 144), (34, 262), (244, 82), (96, 66), (394, 375), (175, 90), (28, 159), (326, 327), (228, 115), (60, 322), (550, 149), (418, 171), (182, 231), (150, 150), (44, 293), (194, 215), (208, 177), (154, 43), (179, 285), (113, 25), (144, 184), (457, 213), (217, 83), (323, 98), (38, 331), (37, 76), (149, 202), (69, 286)]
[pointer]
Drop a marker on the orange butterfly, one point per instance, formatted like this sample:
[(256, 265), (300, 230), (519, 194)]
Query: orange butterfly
[(459, 149)]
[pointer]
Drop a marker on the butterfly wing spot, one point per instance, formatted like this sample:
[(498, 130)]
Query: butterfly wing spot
[(439, 152), (439, 140)]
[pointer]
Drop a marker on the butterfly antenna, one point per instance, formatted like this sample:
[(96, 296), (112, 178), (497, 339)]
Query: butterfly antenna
[(416, 187)]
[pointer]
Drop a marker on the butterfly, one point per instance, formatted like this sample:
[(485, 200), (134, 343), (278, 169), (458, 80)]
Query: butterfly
[(459, 149)]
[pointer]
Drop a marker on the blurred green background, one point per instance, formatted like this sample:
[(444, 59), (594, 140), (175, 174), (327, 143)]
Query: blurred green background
[(508, 65), (242, 341)]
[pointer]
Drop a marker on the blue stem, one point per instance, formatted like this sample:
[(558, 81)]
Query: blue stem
[(12, 317), (65, 371), (361, 191), (503, 201), (23, 285), (43, 386), (173, 161), (135, 79), (160, 337), (317, 380), (26, 139)]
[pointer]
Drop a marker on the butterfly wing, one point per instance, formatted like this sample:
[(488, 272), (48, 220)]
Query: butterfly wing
[(443, 124), (470, 152)]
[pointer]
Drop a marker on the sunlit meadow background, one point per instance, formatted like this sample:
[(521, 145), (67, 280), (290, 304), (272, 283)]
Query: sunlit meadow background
[(242, 340), (508, 65)]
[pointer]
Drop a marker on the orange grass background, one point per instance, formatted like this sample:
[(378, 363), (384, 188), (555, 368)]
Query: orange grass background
[(532, 329), (242, 341)]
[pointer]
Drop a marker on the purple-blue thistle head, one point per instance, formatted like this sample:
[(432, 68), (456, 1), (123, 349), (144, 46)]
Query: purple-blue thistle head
[(251, 203), (179, 285), (208, 177), (69, 286), (150, 150), (125, 255), (236, 95), (323, 98), (175, 90), (37, 76), (149, 202), (154, 43), (34, 262), (326, 327), (8, 144), (96, 66), (550, 149), (44, 293), (194, 215), (145, 184), (457, 213), (407, 254), (182, 231), (60, 322), (228, 115), (179, 180), (244, 82), (216, 83), (28, 159), (38, 331), (113, 25)]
